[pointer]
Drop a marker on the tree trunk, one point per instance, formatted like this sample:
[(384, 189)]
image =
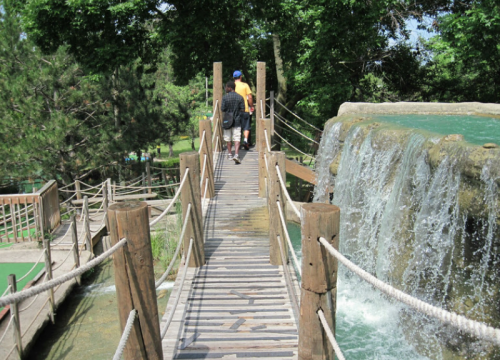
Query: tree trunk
[(282, 86), (170, 149), (114, 93)]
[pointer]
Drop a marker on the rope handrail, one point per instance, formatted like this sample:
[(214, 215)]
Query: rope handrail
[(288, 280), (261, 110), (66, 258), (6, 290), (37, 289), (297, 116), (33, 268), (166, 168), (205, 193), (125, 335), (287, 236), (329, 334), (64, 187), (215, 130), (145, 187), (215, 107), (203, 171), (267, 140), (170, 266), (283, 120), (300, 151), (472, 327), (34, 298), (202, 141), (283, 186), (90, 187), (137, 182), (173, 200), (178, 296)]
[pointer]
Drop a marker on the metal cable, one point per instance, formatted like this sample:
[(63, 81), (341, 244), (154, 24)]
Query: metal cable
[(177, 298), (472, 327), (287, 236), (297, 116), (170, 266), (173, 200), (37, 289), (125, 335), (330, 336)]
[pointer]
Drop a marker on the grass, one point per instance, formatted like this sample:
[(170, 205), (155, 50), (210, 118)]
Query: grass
[(178, 148), (19, 269)]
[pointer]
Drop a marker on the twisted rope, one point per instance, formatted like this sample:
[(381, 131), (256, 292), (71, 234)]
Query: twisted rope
[(6, 330), (36, 297), (66, 258), (330, 336), (64, 187), (33, 268), (283, 186), (173, 200), (267, 140), (201, 141), (125, 335), (288, 279), (91, 187), (300, 151), (170, 266), (6, 290), (178, 296), (143, 187), (205, 193), (204, 168), (287, 236), (215, 130), (297, 116), (19, 296), (472, 327)]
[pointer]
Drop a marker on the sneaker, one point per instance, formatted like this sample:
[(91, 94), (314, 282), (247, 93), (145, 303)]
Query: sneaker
[(230, 156), (237, 159), (245, 145)]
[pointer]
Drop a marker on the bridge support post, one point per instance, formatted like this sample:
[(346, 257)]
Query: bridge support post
[(191, 193), (14, 313), (148, 172), (263, 124), (260, 104), (206, 150), (218, 92), (276, 194), (134, 279), (76, 250), (319, 279), (48, 271)]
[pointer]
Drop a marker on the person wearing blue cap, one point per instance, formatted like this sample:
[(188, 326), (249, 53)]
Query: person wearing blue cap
[(243, 89)]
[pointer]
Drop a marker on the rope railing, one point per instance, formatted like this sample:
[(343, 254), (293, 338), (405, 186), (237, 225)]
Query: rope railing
[(205, 193), (174, 258), (6, 329), (136, 182), (284, 121), (64, 187), (6, 291), (300, 151), (178, 296), (287, 236), (33, 268), (202, 141), (34, 298), (202, 177), (144, 187), (37, 289), (126, 334), (288, 279), (66, 258), (173, 199), (330, 335), (472, 327), (90, 187), (297, 116), (215, 130), (283, 186), (267, 140)]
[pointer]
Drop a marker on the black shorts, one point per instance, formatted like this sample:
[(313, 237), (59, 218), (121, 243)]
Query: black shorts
[(245, 121)]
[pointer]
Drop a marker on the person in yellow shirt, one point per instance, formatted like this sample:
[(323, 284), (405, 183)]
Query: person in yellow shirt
[(243, 89)]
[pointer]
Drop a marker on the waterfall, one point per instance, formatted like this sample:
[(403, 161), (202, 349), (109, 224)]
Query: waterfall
[(401, 221)]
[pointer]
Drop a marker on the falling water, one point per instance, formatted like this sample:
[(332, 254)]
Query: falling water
[(401, 221)]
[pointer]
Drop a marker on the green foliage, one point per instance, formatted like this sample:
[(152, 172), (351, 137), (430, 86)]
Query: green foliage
[(170, 163)]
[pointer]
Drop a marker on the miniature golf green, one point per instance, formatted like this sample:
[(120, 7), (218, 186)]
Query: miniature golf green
[(20, 269)]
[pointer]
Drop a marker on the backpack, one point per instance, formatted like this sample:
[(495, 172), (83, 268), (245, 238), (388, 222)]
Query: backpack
[(228, 120)]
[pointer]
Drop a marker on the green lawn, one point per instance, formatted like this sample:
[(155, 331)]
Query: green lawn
[(178, 147), (19, 269)]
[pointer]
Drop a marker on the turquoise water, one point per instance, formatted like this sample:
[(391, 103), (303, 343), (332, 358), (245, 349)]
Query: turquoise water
[(475, 129), (367, 323)]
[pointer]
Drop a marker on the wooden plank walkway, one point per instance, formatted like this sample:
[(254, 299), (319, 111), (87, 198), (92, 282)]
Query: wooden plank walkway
[(237, 305)]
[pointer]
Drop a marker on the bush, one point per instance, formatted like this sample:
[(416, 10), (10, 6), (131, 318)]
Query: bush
[(170, 163)]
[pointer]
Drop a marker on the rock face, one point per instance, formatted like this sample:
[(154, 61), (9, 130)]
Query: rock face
[(422, 212)]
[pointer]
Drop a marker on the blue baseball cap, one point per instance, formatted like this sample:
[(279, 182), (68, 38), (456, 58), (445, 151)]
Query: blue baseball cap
[(237, 74)]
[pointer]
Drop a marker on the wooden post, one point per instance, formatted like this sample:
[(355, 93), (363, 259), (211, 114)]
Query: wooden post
[(36, 216), (14, 313), (77, 189), (263, 124), (191, 194), (319, 279), (48, 271), (271, 111), (164, 177), (276, 194), (105, 206), (74, 237), (13, 219), (19, 214), (110, 190), (143, 183), (218, 92), (27, 218), (134, 278), (113, 193), (6, 232), (148, 172), (205, 126), (300, 180), (260, 105), (86, 221)]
